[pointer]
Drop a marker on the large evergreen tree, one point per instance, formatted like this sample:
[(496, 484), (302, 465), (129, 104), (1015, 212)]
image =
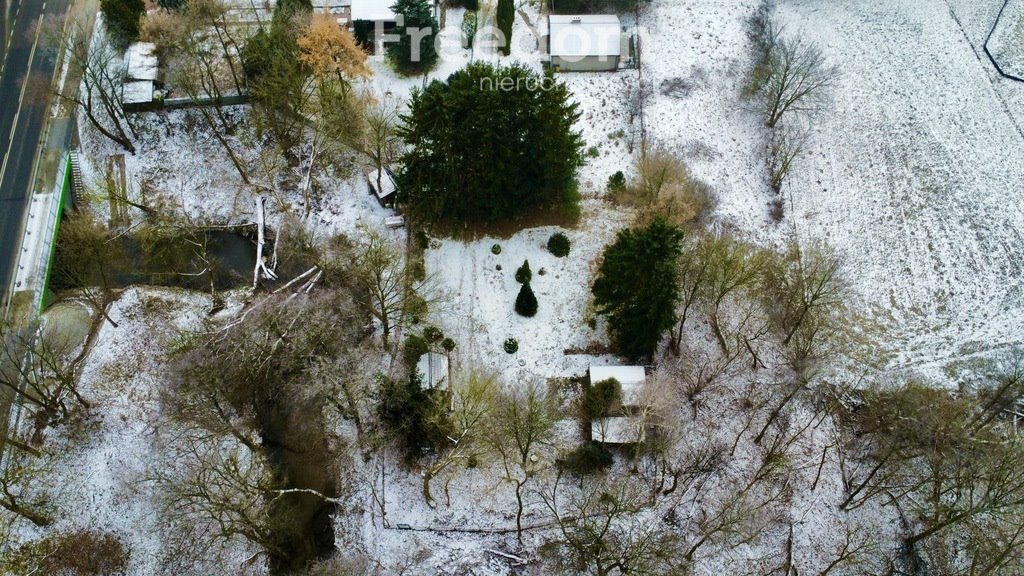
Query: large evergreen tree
[(637, 286), (122, 20), (408, 56), (488, 143), (505, 16)]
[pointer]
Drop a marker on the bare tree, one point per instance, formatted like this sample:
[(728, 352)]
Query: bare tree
[(947, 477), (89, 260), (381, 142), (102, 76), (219, 489), (22, 474), (463, 426), (736, 268), (608, 527), (785, 145), (806, 282), (389, 292), (38, 368), (695, 264), (790, 74), (523, 421)]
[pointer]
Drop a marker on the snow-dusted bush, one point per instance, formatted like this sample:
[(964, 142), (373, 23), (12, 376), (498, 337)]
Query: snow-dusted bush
[(524, 274), (559, 245), (511, 345), (586, 459)]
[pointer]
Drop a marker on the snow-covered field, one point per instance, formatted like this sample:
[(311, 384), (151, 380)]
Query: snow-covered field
[(916, 175), (913, 173), (1007, 41)]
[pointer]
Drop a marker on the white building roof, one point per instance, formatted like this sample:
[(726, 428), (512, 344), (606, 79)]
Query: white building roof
[(387, 183), (137, 92), (577, 37), (142, 64), (631, 378), (617, 430), (434, 369), (373, 10)]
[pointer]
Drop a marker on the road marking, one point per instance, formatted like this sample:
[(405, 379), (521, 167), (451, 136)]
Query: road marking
[(21, 98)]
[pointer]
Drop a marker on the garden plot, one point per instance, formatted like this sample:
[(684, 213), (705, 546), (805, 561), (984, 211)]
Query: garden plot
[(476, 299)]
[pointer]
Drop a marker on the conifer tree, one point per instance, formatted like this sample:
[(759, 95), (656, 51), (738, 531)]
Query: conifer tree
[(524, 274), (637, 286), (506, 16), (477, 152), (526, 302), (122, 20), (414, 51)]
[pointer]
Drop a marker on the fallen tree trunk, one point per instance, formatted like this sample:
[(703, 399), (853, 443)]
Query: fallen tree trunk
[(261, 240)]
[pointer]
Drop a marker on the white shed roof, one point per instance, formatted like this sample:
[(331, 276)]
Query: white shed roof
[(373, 10), (137, 92), (631, 378), (142, 64), (434, 369), (617, 430), (387, 183), (584, 35)]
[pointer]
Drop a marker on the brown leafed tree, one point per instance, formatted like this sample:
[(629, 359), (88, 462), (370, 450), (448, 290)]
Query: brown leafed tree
[(329, 49)]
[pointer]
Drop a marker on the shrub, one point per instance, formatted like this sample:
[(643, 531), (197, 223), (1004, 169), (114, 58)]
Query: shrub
[(496, 249), (664, 187), (593, 152), (414, 347), (422, 240), (511, 345), (469, 25), (601, 399), (526, 302), (776, 209), (411, 414), (559, 245), (617, 182), (586, 459), (448, 344), (433, 334), (497, 267), (524, 274), (86, 553)]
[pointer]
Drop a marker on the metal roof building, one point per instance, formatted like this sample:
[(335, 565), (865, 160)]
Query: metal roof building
[(584, 43)]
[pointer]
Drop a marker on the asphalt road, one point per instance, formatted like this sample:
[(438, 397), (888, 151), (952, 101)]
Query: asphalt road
[(22, 115)]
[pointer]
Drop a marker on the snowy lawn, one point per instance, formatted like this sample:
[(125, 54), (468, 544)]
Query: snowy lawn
[(106, 461)]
